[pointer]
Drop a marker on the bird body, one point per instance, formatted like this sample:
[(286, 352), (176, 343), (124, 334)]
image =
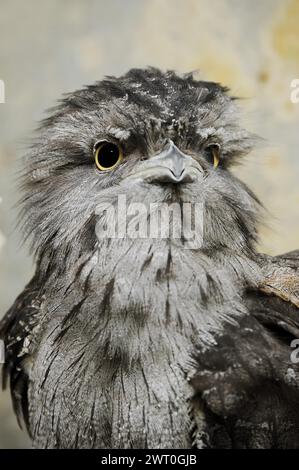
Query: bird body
[(147, 342), (132, 384)]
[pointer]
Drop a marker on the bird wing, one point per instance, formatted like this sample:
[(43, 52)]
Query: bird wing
[(281, 277), (247, 385), (17, 330)]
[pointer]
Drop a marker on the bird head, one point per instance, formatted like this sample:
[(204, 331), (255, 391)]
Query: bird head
[(154, 137)]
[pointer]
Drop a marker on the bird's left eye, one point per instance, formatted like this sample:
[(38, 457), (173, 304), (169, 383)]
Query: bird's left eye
[(107, 155), (212, 153)]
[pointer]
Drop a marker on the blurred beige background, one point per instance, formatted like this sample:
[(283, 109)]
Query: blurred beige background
[(50, 47)]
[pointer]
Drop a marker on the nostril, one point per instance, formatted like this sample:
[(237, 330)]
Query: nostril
[(177, 174)]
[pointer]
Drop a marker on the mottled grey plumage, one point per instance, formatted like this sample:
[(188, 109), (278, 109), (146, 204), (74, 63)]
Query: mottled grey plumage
[(141, 343)]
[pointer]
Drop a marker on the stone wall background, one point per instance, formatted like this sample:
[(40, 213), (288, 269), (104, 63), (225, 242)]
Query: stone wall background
[(50, 47)]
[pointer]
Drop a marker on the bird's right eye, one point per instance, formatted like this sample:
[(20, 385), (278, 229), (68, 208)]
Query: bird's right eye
[(107, 155)]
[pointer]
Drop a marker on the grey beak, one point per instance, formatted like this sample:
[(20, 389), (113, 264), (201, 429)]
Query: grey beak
[(171, 165)]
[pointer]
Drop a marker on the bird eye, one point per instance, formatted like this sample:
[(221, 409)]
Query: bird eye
[(212, 152), (107, 155)]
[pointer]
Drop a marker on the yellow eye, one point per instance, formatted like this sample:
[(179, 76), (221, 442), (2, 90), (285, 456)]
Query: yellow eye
[(213, 154), (107, 156)]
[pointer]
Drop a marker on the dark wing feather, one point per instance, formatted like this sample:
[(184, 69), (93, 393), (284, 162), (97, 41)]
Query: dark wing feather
[(16, 330), (248, 384)]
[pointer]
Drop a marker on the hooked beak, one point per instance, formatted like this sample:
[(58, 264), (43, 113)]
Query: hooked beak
[(170, 166)]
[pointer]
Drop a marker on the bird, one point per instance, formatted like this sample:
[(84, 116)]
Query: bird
[(150, 342)]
